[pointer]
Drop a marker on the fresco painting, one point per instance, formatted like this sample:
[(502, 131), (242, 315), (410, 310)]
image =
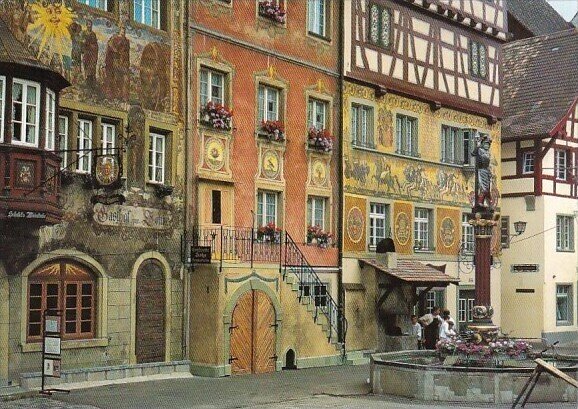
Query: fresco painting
[(107, 61)]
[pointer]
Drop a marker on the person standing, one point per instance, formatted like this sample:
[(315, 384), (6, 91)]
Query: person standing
[(431, 323), (446, 328), (416, 331)]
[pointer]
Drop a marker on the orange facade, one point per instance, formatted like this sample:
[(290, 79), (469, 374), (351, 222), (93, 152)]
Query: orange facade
[(261, 70)]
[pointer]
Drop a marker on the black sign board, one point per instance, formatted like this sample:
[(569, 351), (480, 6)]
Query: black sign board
[(200, 254), (524, 268)]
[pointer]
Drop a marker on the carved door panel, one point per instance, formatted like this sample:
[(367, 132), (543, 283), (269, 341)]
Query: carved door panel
[(241, 355), (264, 335), (150, 314)]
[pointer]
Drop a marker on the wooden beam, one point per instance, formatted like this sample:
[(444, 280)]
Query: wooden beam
[(547, 147), (385, 295), (556, 372)]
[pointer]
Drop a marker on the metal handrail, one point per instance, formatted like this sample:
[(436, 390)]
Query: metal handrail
[(296, 262)]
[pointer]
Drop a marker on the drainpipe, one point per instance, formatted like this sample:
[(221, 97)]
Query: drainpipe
[(340, 67)]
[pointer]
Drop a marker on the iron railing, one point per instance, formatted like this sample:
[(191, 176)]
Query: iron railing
[(296, 263)]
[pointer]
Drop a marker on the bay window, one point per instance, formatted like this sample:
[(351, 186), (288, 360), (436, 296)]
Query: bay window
[(25, 112)]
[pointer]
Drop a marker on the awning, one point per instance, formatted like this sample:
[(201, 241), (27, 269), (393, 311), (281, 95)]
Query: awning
[(414, 273)]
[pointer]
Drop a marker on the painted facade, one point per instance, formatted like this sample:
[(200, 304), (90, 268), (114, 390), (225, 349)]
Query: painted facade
[(404, 69), (127, 84), (247, 177)]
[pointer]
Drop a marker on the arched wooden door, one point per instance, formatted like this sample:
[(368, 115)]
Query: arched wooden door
[(150, 313), (253, 334)]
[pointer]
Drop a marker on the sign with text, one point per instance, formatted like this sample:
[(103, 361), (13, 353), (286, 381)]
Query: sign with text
[(52, 345), (17, 214), (200, 254), (52, 367), (52, 324), (131, 216)]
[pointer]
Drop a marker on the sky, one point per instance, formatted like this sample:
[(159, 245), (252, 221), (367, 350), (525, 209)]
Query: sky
[(567, 8)]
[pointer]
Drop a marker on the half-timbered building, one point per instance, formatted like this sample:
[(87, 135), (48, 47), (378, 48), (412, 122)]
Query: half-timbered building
[(422, 81), (539, 159)]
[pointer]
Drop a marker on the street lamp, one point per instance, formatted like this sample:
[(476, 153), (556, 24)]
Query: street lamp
[(519, 227)]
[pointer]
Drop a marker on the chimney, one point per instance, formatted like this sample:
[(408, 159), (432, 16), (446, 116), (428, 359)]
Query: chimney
[(385, 253)]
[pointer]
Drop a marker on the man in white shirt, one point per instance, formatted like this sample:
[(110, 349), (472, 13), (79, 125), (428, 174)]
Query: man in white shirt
[(416, 330), (446, 329)]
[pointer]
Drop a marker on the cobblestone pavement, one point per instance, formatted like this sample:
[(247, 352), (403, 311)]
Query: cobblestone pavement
[(319, 388)]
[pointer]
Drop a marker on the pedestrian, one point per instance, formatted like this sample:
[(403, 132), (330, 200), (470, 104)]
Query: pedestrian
[(416, 331), (431, 323), (446, 329)]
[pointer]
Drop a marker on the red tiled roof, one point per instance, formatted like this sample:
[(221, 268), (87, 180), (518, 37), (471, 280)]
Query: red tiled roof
[(413, 272)]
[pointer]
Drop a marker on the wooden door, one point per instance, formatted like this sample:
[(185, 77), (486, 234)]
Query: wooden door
[(264, 335), (150, 314), (242, 335), (253, 334)]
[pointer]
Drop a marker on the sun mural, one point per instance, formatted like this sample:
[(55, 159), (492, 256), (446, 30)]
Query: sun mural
[(51, 28)]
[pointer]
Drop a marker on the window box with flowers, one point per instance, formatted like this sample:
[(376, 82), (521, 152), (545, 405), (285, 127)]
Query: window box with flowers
[(316, 235), (216, 116), (320, 140), (272, 10), (273, 131), (269, 233)]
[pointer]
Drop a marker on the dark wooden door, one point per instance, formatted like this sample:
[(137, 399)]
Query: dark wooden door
[(150, 314), (253, 334)]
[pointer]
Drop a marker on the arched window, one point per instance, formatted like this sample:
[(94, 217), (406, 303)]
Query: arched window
[(65, 286)]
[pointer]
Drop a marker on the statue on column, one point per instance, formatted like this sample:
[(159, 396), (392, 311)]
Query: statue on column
[(483, 173)]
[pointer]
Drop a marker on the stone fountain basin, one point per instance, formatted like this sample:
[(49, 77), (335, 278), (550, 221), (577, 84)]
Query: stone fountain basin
[(419, 375)]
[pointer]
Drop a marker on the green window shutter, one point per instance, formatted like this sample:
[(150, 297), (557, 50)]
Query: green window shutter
[(370, 126), (414, 137), (459, 154), (440, 298), (444, 142)]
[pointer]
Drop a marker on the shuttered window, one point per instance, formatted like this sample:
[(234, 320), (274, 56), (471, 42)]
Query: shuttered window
[(406, 132)]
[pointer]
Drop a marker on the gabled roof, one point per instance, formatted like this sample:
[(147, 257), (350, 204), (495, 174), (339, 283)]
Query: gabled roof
[(537, 16), (413, 272), (540, 79), (575, 20)]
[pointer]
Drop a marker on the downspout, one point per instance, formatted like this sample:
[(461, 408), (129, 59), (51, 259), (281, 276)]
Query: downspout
[(340, 290)]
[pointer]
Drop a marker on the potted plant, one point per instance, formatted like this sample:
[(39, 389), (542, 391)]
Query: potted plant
[(320, 139), (312, 234), (217, 116), (323, 238), (272, 10), (269, 233), (273, 130)]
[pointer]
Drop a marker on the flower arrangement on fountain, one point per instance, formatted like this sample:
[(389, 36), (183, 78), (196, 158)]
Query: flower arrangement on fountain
[(269, 232), (318, 235), (272, 10), (478, 353), (273, 130), (216, 115), (320, 139)]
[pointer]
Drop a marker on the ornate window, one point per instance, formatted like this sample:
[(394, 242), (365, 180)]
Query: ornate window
[(378, 223), (528, 163), (468, 240), (157, 157), (317, 17), (564, 233), (84, 143), (561, 163), (147, 12), (379, 26), (268, 103), (422, 230), (478, 59), (63, 286), (25, 112), (362, 126), (406, 135), (63, 140), (2, 105), (212, 87)]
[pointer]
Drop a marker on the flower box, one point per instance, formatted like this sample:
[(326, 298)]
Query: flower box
[(273, 11), (273, 131), (269, 233), (320, 139), (216, 116), (316, 235)]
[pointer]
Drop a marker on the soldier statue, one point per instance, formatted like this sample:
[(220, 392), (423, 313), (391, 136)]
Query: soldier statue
[(483, 173)]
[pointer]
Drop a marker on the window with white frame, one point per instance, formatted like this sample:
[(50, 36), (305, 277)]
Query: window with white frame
[(561, 162), (468, 240), (108, 138), (406, 132), (212, 87), (25, 112), (466, 302), (157, 156), (379, 26), (433, 298), (63, 140), (452, 148), (378, 223), (50, 121), (362, 126), (99, 4), (147, 12), (268, 103), (317, 114), (2, 105), (564, 233), (316, 207), (318, 291), (564, 305), (478, 59), (267, 203), (317, 17), (422, 229), (468, 136), (84, 145), (528, 163)]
